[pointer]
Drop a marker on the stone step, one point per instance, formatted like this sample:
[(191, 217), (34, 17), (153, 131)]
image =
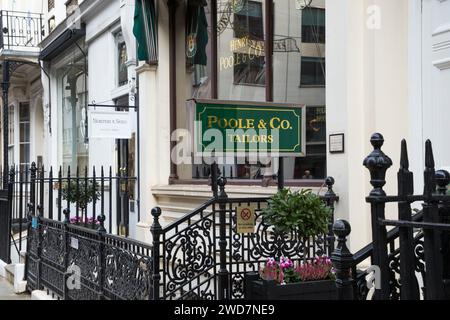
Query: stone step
[(9, 273), (14, 274)]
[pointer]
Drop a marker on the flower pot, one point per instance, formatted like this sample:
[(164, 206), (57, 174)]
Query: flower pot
[(259, 289)]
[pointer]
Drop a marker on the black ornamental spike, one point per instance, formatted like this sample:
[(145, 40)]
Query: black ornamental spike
[(405, 178), (429, 173), (404, 160)]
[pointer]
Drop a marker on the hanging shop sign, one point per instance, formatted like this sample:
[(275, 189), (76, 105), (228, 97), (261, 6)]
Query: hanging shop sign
[(245, 219), (224, 127), (111, 124)]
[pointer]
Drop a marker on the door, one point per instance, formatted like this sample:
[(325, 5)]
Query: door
[(436, 78)]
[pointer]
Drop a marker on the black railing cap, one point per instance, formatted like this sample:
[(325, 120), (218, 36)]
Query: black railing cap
[(156, 212), (342, 228)]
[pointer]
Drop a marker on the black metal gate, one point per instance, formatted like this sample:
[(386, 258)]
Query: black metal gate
[(5, 226)]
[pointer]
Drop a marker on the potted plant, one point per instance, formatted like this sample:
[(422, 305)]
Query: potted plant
[(284, 280), (81, 193), (305, 214)]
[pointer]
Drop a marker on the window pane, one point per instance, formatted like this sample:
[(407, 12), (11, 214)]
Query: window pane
[(11, 125), (24, 113), (312, 71), (241, 66), (313, 25), (241, 61), (25, 153), (25, 132), (299, 77), (122, 57)]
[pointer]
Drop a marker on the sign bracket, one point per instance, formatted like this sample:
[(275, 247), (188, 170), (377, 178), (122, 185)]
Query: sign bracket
[(94, 105)]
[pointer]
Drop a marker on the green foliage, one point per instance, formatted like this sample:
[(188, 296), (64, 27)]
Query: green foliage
[(301, 211), (80, 193)]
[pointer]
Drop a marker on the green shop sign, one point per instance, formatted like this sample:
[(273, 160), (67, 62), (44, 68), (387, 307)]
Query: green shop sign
[(249, 127)]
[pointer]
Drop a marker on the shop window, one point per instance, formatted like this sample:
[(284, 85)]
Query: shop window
[(312, 71), (241, 73), (126, 151), (292, 69), (313, 25), (73, 88)]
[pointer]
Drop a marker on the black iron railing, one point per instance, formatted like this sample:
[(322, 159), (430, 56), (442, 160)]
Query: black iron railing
[(77, 263), (20, 30), (93, 193), (410, 261), (200, 256), (203, 256)]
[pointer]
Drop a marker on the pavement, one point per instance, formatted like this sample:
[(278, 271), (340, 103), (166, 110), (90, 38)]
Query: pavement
[(7, 292)]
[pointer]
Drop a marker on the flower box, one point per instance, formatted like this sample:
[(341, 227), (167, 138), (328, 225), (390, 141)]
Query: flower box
[(259, 289)]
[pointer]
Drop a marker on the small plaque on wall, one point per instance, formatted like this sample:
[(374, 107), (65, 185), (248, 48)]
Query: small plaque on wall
[(336, 143)]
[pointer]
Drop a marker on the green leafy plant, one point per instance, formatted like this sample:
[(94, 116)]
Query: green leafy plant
[(80, 193), (300, 211)]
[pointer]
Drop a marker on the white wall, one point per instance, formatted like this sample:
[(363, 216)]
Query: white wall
[(367, 92)]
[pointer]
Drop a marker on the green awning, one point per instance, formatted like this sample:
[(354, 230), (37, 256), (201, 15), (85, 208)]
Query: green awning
[(196, 33), (145, 30)]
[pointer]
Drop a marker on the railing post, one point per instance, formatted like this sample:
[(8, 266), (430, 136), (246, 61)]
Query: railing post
[(102, 258), (156, 231), (223, 272), (378, 163), (434, 286), (33, 185), (214, 177), (330, 199), (342, 260), (39, 250), (409, 289), (66, 221)]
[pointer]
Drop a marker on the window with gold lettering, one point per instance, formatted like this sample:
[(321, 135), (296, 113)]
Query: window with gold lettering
[(298, 62)]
